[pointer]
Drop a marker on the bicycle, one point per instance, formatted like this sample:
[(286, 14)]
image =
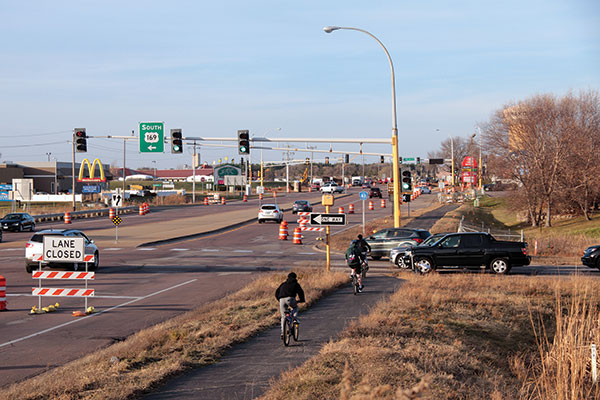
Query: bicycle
[(355, 284), (291, 327)]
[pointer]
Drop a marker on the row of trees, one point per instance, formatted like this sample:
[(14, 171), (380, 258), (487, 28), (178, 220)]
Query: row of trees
[(551, 146)]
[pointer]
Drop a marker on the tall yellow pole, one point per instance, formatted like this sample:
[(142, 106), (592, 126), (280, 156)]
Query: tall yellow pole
[(327, 231)]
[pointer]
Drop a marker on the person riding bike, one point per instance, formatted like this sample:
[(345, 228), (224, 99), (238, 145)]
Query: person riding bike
[(355, 260), (365, 249), (286, 294)]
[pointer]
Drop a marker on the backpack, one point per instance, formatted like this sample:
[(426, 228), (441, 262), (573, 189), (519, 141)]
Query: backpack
[(352, 258)]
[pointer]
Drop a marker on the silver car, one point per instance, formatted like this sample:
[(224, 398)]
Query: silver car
[(269, 212), (398, 254), (34, 247)]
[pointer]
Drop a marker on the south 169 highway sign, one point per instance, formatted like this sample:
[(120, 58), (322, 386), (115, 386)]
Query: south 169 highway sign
[(152, 135), (327, 219)]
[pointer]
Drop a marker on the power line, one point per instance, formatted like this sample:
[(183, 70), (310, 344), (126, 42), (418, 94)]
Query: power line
[(35, 134)]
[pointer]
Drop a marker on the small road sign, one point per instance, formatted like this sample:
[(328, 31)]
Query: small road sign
[(116, 220), (363, 195), (327, 219), (152, 135), (63, 249), (117, 200)]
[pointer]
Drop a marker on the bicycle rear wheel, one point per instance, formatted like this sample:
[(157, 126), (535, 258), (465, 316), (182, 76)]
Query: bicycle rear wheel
[(286, 332), (355, 284), (295, 330)]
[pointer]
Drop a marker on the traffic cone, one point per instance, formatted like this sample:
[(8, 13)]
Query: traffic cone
[(141, 211), (283, 230), (274, 194), (309, 189), (223, 201), (146, 208), (2, 293), (206, 201), (382, 203), (111, 213), (260, 196), (350, 208), (371, 207), (245, 200), (341, 210), (67, 217), (297, 236)]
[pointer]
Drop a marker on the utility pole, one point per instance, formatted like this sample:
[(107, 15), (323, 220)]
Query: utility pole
[(194, 174), (73, 173)]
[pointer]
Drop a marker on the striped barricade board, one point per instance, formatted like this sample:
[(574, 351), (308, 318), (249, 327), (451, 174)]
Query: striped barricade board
[(62, 292), (305, 228), (62, 275)]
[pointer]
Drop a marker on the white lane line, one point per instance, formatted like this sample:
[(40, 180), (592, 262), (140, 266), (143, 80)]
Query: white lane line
[(243, 251), (179, 249), (15, 249), (274, 252), (93, 315), (234, 273), (112, 249), (211, 250), (146, 248), (308, 253)]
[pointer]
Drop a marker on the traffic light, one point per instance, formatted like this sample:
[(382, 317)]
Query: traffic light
[(80, 138), (244, 142), (176, 141), (347, 159), (382, 159), (406, 181), (307, 161), (326, 160)]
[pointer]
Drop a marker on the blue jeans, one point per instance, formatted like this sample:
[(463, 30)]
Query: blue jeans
[(284, 302)]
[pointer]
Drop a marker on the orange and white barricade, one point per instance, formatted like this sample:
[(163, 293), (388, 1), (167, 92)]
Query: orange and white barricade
[(340, 210), (206, 201), (350, 208), (382, 203), (2, 293), (67, 217), (283, 230), (260, 196), (141, 212), (223, 201), (245, 198), (297, 236), (371, 206), (312, 229), (112, 213)]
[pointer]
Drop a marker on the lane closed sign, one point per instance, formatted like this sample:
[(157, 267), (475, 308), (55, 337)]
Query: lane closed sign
[(63, 249)]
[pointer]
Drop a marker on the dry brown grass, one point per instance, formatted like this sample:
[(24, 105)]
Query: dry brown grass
[(197, 338), (450, 336)]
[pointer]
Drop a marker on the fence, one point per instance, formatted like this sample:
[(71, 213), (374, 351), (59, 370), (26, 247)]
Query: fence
[(497, 233)]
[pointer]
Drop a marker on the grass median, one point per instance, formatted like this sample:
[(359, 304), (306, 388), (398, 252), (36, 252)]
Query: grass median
[(461, 336), (192, 340)]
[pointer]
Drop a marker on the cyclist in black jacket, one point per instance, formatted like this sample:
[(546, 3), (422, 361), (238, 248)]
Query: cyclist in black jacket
[(286, 294)]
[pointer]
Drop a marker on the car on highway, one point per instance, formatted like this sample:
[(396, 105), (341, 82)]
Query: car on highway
[(591, 257), (425, 190), (17, 222), (301, 206), (375, 192), (383, 241), (332, 187), (34, 247), (397, 254), (270, 212), (0, 235)]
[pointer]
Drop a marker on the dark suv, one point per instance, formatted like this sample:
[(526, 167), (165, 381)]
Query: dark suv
[(383, 241), (375, 192), (301, 206)]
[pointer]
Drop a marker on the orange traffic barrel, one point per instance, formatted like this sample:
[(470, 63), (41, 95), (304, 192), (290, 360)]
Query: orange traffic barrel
[(260, 196), (274, 194), (112, 213), (141, 209), (146, 208), (223, 201), (206, 201), (245, 198), (283, 230), (371, 206), (297, 236), (67, 217), (341, 210), (382, 203), (309, 189), (2, 293), (350, 208)]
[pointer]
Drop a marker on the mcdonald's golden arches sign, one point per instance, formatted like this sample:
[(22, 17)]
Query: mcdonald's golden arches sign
[(91, 170)]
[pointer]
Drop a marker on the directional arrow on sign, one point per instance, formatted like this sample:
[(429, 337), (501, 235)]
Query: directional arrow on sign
[(152, 147), (327, 219)]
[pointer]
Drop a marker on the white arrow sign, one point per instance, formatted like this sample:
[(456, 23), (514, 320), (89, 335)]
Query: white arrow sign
[(152, 147)]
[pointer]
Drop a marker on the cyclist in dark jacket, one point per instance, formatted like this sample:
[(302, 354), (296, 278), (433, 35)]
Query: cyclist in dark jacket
[(286, 294), (355, 260)]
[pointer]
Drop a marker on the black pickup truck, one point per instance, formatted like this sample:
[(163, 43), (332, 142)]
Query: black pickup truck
[(469, 250)]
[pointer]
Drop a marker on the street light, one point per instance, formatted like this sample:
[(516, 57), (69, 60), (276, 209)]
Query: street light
[(395, 152)]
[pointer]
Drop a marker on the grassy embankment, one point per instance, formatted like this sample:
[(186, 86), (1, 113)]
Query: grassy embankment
[(197, 338), (461, 336)]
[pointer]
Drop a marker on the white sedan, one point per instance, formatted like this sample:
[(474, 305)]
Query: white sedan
[(34, 247), (332, 187), (269, 212)]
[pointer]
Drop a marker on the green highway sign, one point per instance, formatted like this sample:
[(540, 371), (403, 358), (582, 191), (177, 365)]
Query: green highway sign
[(408, 160), (152, 137)]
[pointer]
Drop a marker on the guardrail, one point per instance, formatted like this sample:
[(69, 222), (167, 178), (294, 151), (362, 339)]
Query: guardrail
[(497, 233), (82, 214)]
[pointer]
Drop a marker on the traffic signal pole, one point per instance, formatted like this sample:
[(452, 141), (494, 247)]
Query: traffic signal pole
[(73, 172)]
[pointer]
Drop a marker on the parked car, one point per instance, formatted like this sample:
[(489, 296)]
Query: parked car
[(375, 192), (469, 250), (332, 187), (270, 212), (591, 257), (301, 206), (17, 222), (397, 254), (383, 241), (35, 247)]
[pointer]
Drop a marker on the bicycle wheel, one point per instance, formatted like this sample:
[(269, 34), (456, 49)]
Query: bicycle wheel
[(286, 332), (355, 284), (296, 330)]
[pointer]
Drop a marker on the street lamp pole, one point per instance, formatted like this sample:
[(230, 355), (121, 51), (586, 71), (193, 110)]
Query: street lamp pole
[(395, 152)]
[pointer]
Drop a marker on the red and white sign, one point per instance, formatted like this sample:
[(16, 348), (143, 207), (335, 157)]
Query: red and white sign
[(60, 292), (62, 275), (312, 229)]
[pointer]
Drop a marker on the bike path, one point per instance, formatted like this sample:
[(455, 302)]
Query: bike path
[(245, 371)]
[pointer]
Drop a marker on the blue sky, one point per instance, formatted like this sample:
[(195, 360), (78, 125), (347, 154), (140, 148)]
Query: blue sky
[(214, 68)]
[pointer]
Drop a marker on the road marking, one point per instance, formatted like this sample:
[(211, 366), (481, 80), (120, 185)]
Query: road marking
[(234, 273), (146, 248), (210, 250), (13, 249), (242, 251), (179, 249), (95, 314), (308, 254), (112, 249), (274, 252)]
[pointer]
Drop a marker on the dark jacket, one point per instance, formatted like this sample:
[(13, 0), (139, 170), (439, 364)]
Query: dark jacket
[(290, 288), (363, 245), (354, 257)]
